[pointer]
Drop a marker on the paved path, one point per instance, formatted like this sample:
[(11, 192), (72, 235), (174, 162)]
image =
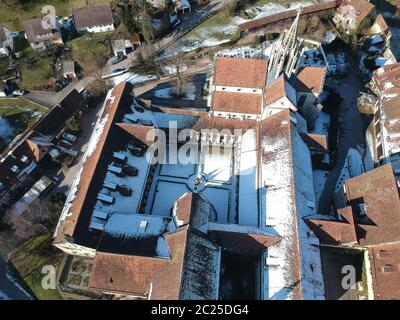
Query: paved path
[(352, 132), (50, 99)]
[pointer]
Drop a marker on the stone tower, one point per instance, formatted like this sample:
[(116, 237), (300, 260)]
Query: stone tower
[(286, 52)]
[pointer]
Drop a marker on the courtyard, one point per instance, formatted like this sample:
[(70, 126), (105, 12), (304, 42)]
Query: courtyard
[(209, 171)]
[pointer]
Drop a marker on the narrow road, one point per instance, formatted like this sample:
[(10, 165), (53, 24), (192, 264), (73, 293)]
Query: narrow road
[(352, 132), (49, 99), (189, 21), (11, 288)]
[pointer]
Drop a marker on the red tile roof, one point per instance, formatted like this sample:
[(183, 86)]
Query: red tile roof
[(311, 79), (160, 279), (184, 208), (36, 33), (378, 189), (380, 20), (385, 267), (67, 226), (142, 133), (244, 243), (316, 142), (237, 102), (335, 232), (387, 79), (276, 89), (95, 15), (239, 72)]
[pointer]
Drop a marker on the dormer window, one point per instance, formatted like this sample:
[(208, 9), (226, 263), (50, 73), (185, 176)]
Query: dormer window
[(24, 159), (143, 225), (15, 169)]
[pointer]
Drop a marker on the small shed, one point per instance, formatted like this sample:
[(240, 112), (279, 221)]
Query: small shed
[(69, 70)]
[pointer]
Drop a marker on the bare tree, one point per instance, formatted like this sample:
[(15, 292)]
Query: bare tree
[(28, 223), (230, 7), (176, 62), (145, 54), (93, 66)]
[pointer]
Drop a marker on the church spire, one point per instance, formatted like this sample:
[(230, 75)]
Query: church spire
[(285, 53)]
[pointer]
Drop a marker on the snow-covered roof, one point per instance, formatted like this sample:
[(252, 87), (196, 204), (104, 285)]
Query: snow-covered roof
[(274, 192), (287, 196)]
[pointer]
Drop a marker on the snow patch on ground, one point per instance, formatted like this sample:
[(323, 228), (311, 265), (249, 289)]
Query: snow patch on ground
[(270, 9), (131, 77), (218, 164)]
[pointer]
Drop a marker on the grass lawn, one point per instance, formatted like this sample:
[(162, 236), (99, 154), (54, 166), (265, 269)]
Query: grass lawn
[(90, 44), (211, 27), (20, 114), (12, 13), (29, 258), (35, 70)]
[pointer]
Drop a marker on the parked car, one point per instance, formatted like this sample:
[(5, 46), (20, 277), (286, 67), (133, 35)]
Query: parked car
[(117, 59), (130, 171), (18, 93), (136, 150), (174, 20), (124, 190), (69, 137), (118, 70)]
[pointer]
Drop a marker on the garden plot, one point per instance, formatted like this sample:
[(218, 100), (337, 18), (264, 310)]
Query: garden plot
[(219, 198), (218, 164), (166, 195)]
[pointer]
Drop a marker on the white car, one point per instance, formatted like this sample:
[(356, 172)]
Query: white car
[(69, 137), (18, 93)]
